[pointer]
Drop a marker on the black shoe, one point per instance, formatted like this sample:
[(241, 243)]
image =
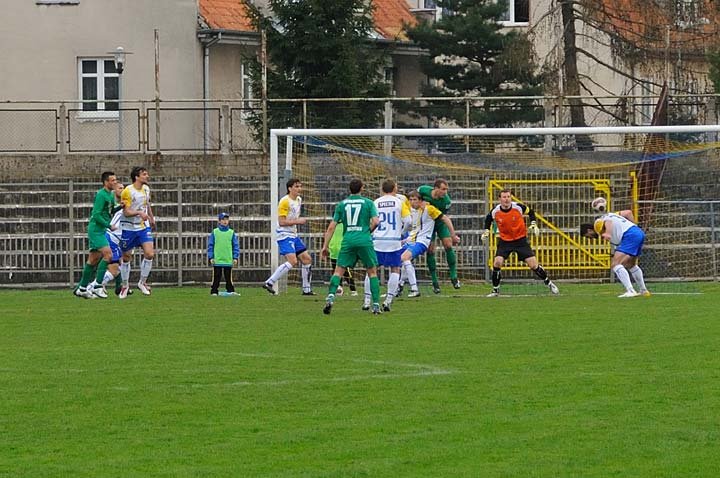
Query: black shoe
[(436, 289), (386, 308), (455, 283), (269, 288), (399, 291), (328, 308), (309, 293)]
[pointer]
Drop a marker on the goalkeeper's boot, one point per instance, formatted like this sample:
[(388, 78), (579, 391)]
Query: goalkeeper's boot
[(376, 309), (328, 304), (495, 292), (629, 293), (436, 288), (553, 288), (268, 287), (413, 294), (308, 292), (354, 293), (456, 283)]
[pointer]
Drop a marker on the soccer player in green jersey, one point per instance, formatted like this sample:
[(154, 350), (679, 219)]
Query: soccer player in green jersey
[(359, 217), (100, 252), (437, 195)]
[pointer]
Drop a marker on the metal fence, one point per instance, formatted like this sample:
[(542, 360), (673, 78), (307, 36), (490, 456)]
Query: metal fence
[(43, 241), (237, 126)]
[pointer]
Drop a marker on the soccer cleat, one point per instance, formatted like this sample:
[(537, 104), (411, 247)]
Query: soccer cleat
[(214, 294), (144, 288), (399, 291), (413, 294), (366, 304), (309, 293), (553, 288), (436, 289), (630, 293), (455, 283), (376, 309), (84, 293), (328, 304), (99, 291), (354, 293), (124, 291), (494, 293), (386, 307), (268, 287), (645, 293)]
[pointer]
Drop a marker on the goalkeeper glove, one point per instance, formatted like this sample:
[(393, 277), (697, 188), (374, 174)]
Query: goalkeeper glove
[(485, 235), (533, 229)]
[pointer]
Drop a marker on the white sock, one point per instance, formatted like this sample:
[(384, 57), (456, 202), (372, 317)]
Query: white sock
[(638, 277), (403, 277), (125, 272), (306, 277), (623, 277), (145, 268), (282, 269), (366, 287), (392, 287), (410, 271), (107, 278)]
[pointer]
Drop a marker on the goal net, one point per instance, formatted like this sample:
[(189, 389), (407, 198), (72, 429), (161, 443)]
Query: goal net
[(667, 175)]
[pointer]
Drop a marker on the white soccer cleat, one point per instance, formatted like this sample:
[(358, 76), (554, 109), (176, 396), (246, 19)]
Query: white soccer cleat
[(630, 293), (413, 293), (645, 293), (144, 288), (354, 293), (99, 291), (84, 293), (494, 293), (553, 288), (124, 290), (366, 305)]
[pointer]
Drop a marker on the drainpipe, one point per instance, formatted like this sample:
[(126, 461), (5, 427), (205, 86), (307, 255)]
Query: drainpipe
[(206, 87)]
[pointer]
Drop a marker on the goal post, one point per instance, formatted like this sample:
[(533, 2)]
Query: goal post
[(550, 169)]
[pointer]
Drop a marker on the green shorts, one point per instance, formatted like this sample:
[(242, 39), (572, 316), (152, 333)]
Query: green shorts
[(441, 230), (349, 256), (97, 240)]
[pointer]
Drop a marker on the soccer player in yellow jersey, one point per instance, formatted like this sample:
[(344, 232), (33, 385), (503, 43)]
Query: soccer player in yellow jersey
[(290, 245), (137, 226), (423, 218)]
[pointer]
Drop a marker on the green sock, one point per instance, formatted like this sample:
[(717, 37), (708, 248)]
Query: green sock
[(334, 283), (432, 267), (452, 262), (375, 289), (87, 275), (118, 281), (101, 269)]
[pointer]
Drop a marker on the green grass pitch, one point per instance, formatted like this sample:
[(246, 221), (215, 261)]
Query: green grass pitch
[(181, 384)]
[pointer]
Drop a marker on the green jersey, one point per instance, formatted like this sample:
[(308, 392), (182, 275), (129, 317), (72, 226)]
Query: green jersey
[(102, 211), (443, 204), (355, 213)]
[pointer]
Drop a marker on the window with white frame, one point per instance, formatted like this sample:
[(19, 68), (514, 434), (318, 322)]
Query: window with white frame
[(99, 86), (518, 13)]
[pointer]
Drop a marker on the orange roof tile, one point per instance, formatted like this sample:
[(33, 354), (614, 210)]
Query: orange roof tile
[(390, 18), (226, 15)]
